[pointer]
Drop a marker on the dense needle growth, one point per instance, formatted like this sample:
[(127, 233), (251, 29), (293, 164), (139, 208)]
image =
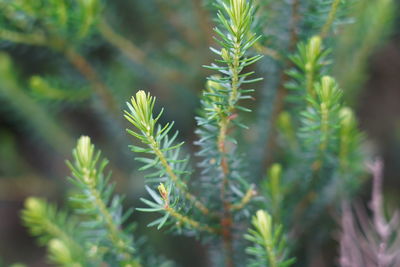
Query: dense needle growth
[(261, 187)]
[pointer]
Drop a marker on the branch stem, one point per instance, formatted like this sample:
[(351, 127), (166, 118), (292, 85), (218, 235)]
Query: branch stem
[(331, 18), (178, 182), (186, 220), (224, 125), (113, 230), (245, 199)]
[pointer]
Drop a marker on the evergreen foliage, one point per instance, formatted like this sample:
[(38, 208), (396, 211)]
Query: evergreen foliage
[(244, 214), (96, 233), (269, 245), (103, 214), (55, 229)]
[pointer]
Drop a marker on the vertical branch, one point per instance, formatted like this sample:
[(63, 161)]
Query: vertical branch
[(226, 219), (221, 103), (331, 18)]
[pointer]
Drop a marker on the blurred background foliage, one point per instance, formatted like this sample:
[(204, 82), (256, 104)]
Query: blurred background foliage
[(68, 67)]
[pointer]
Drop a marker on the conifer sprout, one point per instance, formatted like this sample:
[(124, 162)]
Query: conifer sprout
[(277, 216), (55, 229), (104, 215), (269, 244)]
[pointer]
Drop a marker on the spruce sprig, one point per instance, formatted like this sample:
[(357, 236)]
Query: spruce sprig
[(220, 102), (325, 16), (163, 155), (102, 212), (57, 230), (321, 120), (220, 106), (310, 62), (269, 246)]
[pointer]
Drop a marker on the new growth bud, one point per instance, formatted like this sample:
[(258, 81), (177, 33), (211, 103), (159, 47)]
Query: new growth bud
[(34, 204), (262, 221), (60, 251), (314, 48), (163, 192), (84, 151)]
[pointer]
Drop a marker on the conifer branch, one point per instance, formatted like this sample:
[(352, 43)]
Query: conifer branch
[(60, 35), (319, 130), (274, 191), (182, 219), (245, 199), (321, 119), (220, 102), (179, 183), (186, 220), (55, 229), (331, 18), (95, 200), (140, 114), (309, 61), (269, 245)]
